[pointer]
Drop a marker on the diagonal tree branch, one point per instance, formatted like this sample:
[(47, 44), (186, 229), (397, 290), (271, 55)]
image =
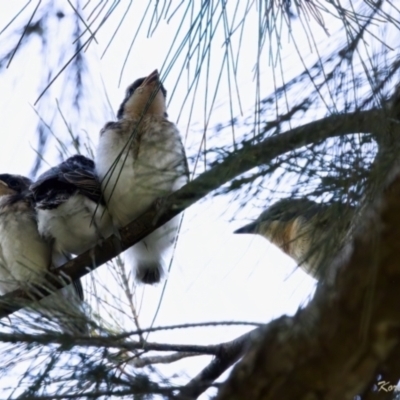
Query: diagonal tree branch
[(335, 347), (228, 353), (252, 154)]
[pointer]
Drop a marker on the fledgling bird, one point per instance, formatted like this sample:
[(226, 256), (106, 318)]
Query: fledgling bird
[(25, 257), (70, 207), (141, 158), (309, 232)]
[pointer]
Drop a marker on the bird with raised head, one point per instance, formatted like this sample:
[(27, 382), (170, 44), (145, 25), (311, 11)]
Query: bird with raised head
[(140, 158)]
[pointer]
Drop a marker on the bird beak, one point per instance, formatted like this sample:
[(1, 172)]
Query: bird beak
[(249, 228), (153, 77), (4, 189)]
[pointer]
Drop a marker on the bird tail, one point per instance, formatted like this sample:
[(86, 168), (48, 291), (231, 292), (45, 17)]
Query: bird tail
[(249, 228), (147, 254), (149, 271), (146, 258)]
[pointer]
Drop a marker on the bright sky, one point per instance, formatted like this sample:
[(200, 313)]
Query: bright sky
[(216, 275)]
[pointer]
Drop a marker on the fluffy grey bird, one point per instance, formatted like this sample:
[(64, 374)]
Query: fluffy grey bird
[(309, 232), (25, 257), (141, 158), (70, 207)]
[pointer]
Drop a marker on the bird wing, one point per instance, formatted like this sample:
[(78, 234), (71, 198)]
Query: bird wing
[(75, 175), (85, 181)]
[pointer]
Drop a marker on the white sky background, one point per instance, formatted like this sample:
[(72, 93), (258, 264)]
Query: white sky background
[(216, 275)]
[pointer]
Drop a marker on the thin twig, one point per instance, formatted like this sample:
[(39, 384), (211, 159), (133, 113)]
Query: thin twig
[(169, 359)]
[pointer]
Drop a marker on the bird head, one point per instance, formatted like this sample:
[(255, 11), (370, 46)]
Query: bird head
[(307, 231), (145, 96), (288, 223), (13, 184), (280, 214)]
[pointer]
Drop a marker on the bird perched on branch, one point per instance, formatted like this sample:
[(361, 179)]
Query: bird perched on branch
[(70, 207), (140, 158), (309, 232), (25, 257)]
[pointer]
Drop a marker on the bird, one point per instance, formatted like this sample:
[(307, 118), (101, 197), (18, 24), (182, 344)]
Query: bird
[(70, 207), (309, 232), (140, 158), (26, 257)]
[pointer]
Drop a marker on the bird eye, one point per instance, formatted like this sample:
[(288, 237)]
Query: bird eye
[(132, 90), (13, 184)]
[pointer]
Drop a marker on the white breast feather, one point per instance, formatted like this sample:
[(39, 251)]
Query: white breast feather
[(24, 255), (135, 183), (73, 226)]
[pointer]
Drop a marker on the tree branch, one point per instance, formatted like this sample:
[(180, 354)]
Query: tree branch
[(140, 362), (252, 154), (108, 342), (334, 348), (228, 353)]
